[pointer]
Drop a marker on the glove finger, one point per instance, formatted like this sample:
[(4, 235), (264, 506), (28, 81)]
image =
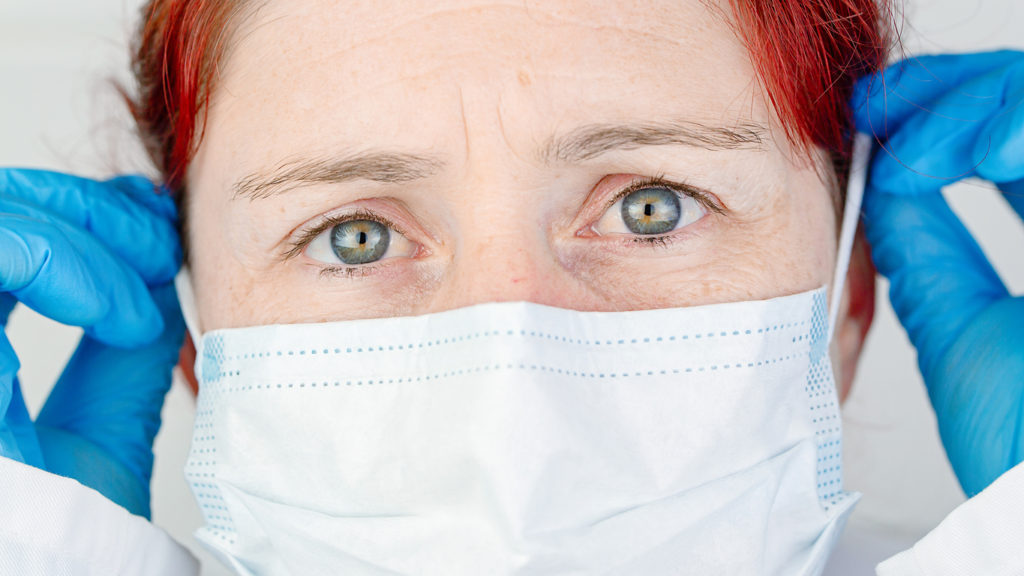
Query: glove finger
[(152, 253), (66, 275), (18, 439), (983, 406), (113, 397), (1013, 192), (954, 139), (940, 280), (12, 407), (7, 304), (1001, 145), (17, 434), (881, 102), (126, 214)]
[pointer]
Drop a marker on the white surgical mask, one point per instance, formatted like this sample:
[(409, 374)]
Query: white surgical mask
[(516, 438)]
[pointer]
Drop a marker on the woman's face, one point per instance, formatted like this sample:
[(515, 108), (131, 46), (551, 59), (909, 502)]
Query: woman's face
[(364, 162)]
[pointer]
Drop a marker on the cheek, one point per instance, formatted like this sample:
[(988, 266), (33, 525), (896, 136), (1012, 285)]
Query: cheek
[(783, 247), (787, 249)]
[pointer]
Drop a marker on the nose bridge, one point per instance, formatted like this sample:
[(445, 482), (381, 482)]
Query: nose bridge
[(504, 251), (505, 263)]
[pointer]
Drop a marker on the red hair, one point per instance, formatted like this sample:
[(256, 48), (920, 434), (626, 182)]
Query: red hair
[(175, 60), (807, 53)]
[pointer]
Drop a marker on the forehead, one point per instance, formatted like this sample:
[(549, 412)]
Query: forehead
[(339, 72)]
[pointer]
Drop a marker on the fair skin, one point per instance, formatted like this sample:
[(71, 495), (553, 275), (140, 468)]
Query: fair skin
[(482, 93)]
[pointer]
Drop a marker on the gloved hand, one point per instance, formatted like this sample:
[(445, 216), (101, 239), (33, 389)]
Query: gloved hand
[(940, 119), (100, 255)]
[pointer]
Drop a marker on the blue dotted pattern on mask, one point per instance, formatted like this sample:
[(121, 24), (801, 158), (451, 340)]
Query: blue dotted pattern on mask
[(819, 328), (228, 387), (201, 468), (213, 357), (487, 334), (821, 393)]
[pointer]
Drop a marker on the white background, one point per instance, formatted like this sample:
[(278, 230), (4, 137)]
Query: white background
[(59, 60)]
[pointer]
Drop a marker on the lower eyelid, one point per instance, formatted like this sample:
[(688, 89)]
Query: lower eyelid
[(348, 271), (663, 240)]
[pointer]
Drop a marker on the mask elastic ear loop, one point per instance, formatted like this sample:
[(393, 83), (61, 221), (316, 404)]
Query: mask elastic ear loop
[(862, 144), (183, 284)]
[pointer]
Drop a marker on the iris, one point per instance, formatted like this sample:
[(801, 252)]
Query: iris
[(360, 241), (650, 211)]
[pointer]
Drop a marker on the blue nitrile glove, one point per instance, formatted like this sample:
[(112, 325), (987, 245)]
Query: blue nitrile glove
[(940, 119), (100, 255)]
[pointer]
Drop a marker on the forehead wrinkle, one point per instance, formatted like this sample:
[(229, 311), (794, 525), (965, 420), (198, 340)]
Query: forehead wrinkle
[(496, 15), (662, 23)]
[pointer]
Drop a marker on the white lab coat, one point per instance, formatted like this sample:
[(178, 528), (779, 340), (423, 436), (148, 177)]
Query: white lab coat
[(52, 526)]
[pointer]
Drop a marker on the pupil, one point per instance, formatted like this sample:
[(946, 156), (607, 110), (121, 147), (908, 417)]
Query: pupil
[(648, 210), (362, 238)]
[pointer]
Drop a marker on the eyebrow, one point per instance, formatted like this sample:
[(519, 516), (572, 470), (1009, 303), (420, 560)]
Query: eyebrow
[(590, 141), (386, 167), (578, 145)]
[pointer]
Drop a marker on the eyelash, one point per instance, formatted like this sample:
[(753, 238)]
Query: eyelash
[(660, 181)]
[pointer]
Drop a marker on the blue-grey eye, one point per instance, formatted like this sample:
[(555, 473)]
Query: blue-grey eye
[(353, 243), (650, 211), (360, 241)]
